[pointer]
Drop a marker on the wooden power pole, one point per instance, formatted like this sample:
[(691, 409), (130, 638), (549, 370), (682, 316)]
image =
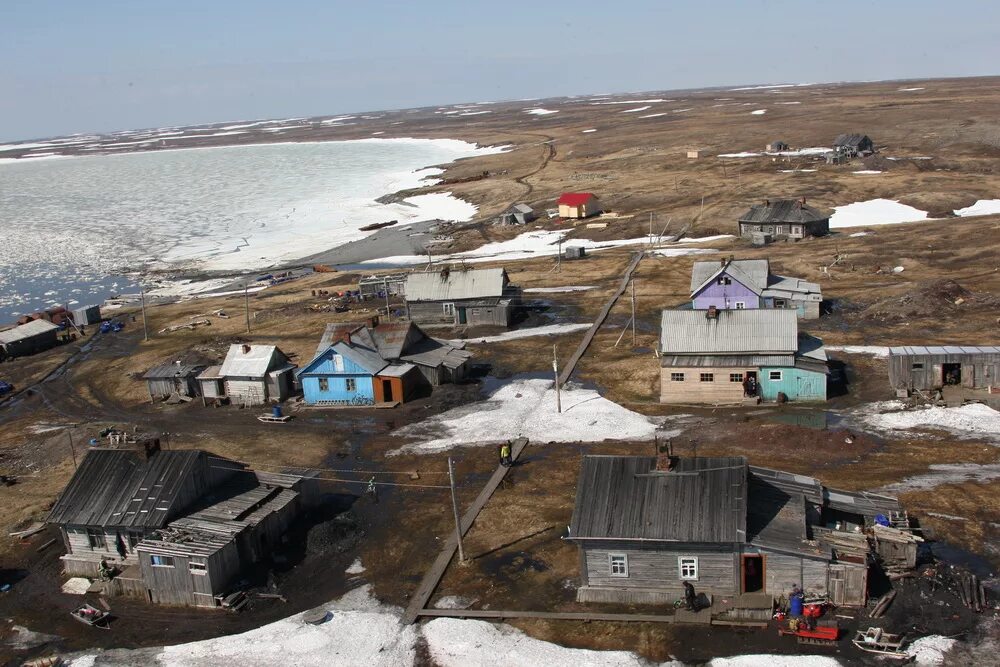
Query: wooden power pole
[(246, 304), (142, 306), (454, 508), (633, 312), (555, 369)]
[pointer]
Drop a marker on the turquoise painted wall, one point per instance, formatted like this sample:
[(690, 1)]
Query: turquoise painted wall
[(796, 383)]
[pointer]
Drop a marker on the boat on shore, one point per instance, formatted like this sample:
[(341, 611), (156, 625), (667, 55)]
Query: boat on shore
[(377, 225)]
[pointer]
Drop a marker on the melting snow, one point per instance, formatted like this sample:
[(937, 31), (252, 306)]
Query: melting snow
[(653, 115), (590, 130), (874, 350), (540, 111), (930, 650), (971, 420), (758, 112), (874, 212), (867, 171), (981, 207), (636, 109), (909, 90), (549, 330)]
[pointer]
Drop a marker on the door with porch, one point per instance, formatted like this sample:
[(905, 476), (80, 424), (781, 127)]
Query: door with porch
[(752, 573), (387, 391)]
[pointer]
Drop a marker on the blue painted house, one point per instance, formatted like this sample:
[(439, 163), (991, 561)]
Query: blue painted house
[(749, 284), (377, 364), (733, 356)]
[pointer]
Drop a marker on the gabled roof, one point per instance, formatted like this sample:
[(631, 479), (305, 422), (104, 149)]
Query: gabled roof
[(119, 487), (576, 198), (252, 363), (168, 371), (521, 208), (751, 273), (850, 139), (703, 499), (918, 350), (32, 328), (782, 210), (785, 287), (455, 285), (756, 331), (366, 357)]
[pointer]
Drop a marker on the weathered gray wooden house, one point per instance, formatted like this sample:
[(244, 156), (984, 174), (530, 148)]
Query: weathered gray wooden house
[(474, 297), (167, 379), (378, 286), (25, 339), (776, 146), (784, 218), (930, 367), (180, 527), (646, 524), (256, 374), (852, 144), (518, 214)]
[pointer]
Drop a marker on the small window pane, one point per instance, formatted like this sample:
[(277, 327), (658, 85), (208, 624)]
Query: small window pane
[(352, 385), (688, 568), (677, 377), (324, 384), (774, 375), (197, 568), (707, 377), (161, 561), (740, 305), (918, 366), (618, 564), (736, 377), (96, 539)]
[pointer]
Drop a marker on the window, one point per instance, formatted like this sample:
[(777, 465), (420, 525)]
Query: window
[(736, 377), (677, 377), (194, 567), (725, 280), (134, 537), (740, 305), (448, 309), (687, 566), (324, 384), (707, 377), (96, 539), (161, 561), (774, 376), (338, 363), (917, 366), (351, 383), (779, 303), (618, 565)]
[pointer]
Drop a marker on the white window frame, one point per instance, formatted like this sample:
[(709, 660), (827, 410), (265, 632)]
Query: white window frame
[(616, 559), (350, 384), (448, 309), (741, 305), (771, 376), (154, 557), (780, 303), (691, 561), (338, 363), (198, 568)]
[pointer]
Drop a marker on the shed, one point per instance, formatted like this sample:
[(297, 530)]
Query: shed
[(210, 384), (575, 252), (476, 297), (852, 144), (256, 374), (393, 284), (776, 146), (647, 524), (931, 367), (87, 315), (784, 218), (518, 214), (578, 205), (166, 379), (695, 153), (25, 339)]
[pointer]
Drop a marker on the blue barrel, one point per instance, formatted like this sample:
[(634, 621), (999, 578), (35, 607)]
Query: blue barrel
[(795, 605), (276, 412)]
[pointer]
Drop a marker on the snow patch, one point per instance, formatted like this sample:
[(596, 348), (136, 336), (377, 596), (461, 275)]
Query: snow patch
[(558, 290), (874, 350), (867, 171), (972, 420), (636, 109), (653, 115), (76, 586), (758, 112), (874, 212), (909, 90), (356, 567), (981, 207), (589, 131), (540, 111), (930, 650), (549, 330)]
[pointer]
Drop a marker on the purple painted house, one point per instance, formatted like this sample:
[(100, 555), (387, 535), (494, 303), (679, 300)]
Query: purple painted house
[(747, 284)]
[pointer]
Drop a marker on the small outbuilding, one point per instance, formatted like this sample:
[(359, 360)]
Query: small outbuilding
[(784, 218), (393, 284), (256, 374), (853, 144), (518, 214), (25, 339), (87, 315), (167, 379), (577, 205), (695, 153), (776, 147), (933, 367), (474, 297)]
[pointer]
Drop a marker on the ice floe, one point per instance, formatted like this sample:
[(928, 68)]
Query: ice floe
[(653, 115), (874, 212)]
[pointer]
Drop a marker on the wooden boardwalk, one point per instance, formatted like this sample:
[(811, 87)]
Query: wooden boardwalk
[(567, 370), (434, 574)]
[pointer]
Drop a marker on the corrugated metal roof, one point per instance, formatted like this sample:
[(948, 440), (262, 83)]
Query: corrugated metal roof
[(118, 487), (751, 273), (701, 500), (723, 360), (853, 140), (758, 331), (522, 208), (396, 370), (782, 210), (455, 285), (365, 357), (32, 328), (788, 287), (252, 363), (167, 371), (918, 350), (576, 198)]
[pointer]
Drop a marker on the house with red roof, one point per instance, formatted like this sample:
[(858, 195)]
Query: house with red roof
[(578, 205)]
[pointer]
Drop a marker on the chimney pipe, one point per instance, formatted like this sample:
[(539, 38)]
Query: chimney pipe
[(712, 313), (246, 349)]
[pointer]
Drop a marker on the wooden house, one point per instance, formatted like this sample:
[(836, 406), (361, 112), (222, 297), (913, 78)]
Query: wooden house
[(784, 218), (749, 284), (379, 286), (707, 355), (518, 214), (932, 367), (256, 374), (852, 144), (473, 297), (376, 364), (22, 340), (695, 153), (776, 147), (647, 524), (86, 315), (577, 205), (168, 379)]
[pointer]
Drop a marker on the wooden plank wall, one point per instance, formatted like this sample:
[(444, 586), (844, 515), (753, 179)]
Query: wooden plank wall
[(657, 568)]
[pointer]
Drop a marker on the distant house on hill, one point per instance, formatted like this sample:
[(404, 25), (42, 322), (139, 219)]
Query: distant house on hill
[(25, 339), (645, 525), (730, 356), (474, 297), (372, 364), (749, 283), (578, 205), (784, 218), (518, 214), (776, 147), (854, 144), (252, 375)]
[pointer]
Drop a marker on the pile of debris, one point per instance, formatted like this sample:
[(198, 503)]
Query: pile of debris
[(927, 299)]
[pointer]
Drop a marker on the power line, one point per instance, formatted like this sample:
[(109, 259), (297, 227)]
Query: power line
[(351, 481), (365, 472)]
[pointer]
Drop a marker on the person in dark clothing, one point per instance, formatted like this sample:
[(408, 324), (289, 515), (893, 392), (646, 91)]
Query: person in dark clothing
[(120, 547), (689, 596), (746, 387)]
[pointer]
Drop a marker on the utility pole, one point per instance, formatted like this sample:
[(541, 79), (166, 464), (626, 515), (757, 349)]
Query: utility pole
[(650, 228), (702, 211), (142, 305), (454, 508), (559, 256), (72, 451), (555, 370), (385, 286), (246, 304), (633, 312)]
